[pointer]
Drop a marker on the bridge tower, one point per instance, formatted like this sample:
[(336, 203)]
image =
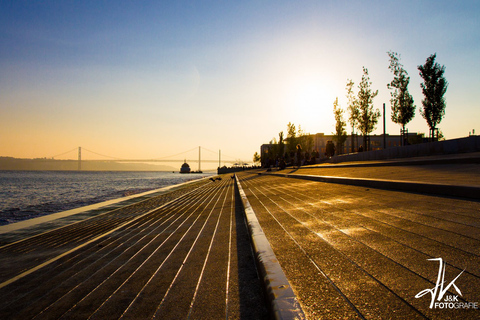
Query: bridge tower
[(79, 158), (199, 159)]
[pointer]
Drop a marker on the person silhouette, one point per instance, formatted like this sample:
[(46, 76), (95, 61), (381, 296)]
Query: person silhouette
[(299, 155)]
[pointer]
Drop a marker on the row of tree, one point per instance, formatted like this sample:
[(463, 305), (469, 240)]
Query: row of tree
[(279, 149), (364, 117)]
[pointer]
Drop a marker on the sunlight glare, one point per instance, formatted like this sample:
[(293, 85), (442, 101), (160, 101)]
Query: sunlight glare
[(311, 104)]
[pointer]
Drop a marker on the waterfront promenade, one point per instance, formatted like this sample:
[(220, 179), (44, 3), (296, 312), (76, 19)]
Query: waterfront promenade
[(182, 254), (349, 248)]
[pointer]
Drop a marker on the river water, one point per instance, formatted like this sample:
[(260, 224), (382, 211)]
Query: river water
[(30, 194)]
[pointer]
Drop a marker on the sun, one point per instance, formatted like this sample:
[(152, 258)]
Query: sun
[(311, 101)]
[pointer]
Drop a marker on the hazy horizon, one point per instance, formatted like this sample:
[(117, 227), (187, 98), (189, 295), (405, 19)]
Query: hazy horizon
[(48, 164)]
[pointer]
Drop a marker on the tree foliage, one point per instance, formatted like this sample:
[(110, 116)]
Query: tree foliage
[(281, 144), (352, 107), (256, 158), (291, 137), (368, 117), (304, 139), (273, 149), (340, 135), (433, 87), (403, 109)]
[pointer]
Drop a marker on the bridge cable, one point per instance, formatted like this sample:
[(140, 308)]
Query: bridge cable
[(102, 155), (160, 158), (61, 154), (225, 155), (215, 152), (175, 154), (117, 158)]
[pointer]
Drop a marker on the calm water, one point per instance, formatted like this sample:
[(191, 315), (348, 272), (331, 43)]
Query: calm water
[(29, 194)]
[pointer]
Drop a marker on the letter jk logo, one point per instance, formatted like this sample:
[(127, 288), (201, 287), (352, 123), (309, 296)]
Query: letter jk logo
[(439, 290)]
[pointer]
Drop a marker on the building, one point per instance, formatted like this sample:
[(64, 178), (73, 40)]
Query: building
[(320, 141), (376, 142)]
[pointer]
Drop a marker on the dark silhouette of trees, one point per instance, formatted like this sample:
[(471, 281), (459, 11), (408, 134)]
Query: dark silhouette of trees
[(352, 108), (276, 147), (340, 135), (291, 137), (403, 109), (433, 87), (256, 157), (304, 139), (281, 145), (273, 150), (368, 117)]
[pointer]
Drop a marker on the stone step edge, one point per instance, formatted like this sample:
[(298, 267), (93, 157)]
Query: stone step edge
[(461, 191), (283, 301)]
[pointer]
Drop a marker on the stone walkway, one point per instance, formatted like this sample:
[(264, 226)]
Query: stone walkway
[(357, 252), (187, 258), (450, 174)]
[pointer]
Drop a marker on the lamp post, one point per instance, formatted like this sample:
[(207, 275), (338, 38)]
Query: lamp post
[(384, 129)]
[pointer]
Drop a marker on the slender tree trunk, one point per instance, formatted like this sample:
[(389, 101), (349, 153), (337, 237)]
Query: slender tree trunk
[(353, 141)]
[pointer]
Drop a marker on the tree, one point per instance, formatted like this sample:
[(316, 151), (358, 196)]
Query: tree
[(440, 136), (281, 145), (291, 137), (352, 108), (340, 135), (403, 109), (304, 139), (433, 87), (273, 150), (276, 149), (367, 118), (256, 158)]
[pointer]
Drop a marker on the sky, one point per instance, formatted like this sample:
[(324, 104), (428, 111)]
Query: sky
[(150, 79)]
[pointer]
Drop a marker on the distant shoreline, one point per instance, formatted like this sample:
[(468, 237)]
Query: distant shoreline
[(43, 164)]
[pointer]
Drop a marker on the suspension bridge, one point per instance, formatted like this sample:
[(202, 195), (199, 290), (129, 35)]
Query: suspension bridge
[(176, 158)]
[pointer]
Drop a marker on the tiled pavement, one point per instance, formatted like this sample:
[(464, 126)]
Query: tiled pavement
[(187, 258), (358, 252)]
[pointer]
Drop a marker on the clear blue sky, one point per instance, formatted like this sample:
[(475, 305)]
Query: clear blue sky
[(148, 79)]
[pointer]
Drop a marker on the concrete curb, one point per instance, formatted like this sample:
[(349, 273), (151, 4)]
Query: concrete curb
[(283, 302), (470, 192), (464, 145), (457, 159)]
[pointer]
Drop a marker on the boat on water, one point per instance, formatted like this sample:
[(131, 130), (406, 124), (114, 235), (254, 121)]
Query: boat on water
[(185, 168)]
